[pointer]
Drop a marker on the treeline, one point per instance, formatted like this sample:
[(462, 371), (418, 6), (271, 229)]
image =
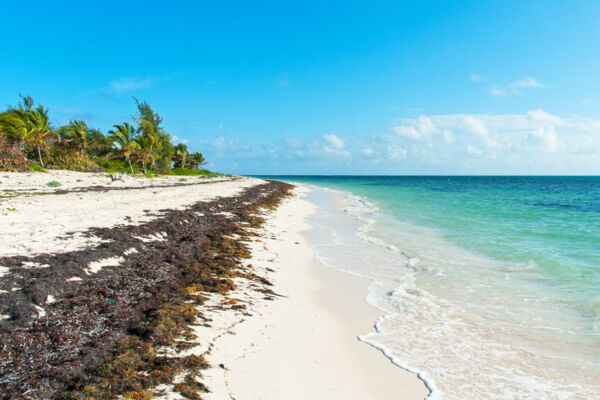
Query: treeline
[(29, 141)]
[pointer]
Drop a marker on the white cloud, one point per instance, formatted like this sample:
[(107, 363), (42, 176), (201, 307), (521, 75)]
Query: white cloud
[(525, 83), (223, 144), (334, 141), (540, 115), (547, 139), (395, 152), (473, 151), (128, 84), (421, 129), (497, 90), (585, 101), (475, 78), (475, 126), (178, 140), (367, 151), (529, 135), (332, 146), (293, 142)]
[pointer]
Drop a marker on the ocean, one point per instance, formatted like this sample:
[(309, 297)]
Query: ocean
[(489, 287)]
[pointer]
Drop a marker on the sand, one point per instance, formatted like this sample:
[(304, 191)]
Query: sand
[(46, 223), (303, 345)]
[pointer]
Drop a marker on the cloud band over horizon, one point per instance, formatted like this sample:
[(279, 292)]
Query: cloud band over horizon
[(533, 142)]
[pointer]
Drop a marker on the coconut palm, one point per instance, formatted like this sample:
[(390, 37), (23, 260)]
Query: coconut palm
[(145, 150), (181, 155), (40, 131), (76, 134), (197, 159), (28, 126), (13, 123), (124, 136), (100, 145)]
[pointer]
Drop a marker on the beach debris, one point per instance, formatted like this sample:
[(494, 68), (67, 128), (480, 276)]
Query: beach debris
[(115, 177)]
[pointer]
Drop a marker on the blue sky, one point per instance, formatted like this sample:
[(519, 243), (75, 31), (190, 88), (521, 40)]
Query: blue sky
[(353, 87)]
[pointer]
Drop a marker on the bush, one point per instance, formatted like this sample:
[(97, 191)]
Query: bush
[(11, 158), (53, 184), (37, 168), (113, 166), (187, 171), (64, 158)]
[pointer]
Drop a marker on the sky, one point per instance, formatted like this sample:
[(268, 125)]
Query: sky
[(326, 87)]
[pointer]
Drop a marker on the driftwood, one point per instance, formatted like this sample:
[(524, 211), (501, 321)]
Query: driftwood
[(114, 177)]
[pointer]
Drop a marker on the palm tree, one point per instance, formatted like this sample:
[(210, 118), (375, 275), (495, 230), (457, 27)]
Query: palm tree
[(197, 159), (99, 144), (181, 155), (77, 134), (125, 136), (40, 129), (26, 125), (13, 123), (146, 150)]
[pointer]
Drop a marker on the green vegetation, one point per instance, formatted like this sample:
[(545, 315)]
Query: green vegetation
[(36, 168), (53, 184), (112, 166), (198, 172), (27, 135)]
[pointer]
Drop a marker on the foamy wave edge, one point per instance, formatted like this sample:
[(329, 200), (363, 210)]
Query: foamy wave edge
[(359, 207)]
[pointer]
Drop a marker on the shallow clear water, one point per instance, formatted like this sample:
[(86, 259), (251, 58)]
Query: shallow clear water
[(490, 285)]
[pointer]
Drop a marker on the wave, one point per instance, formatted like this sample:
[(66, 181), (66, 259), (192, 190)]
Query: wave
[(456, 352)]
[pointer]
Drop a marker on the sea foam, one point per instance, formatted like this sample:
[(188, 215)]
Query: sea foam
[(455, 318)]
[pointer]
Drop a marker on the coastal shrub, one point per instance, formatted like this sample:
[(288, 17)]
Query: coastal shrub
[(53, 184), (37, 168), (11, 158), (66, 158), (187, 171), (112, 165)]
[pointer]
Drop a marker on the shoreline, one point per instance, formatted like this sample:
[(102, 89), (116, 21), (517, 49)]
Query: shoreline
[(322, 311)]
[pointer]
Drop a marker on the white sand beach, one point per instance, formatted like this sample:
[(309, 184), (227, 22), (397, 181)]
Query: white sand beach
[(35, 223), (304, 344), (301, 343)]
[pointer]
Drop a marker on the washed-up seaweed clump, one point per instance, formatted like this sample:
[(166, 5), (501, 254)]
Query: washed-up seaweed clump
[(117, 332)]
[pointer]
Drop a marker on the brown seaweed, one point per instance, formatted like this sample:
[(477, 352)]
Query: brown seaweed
[(102, 336)]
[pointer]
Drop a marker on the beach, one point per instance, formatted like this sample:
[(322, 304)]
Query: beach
[(304, 344), (486, 286), (210, 284)]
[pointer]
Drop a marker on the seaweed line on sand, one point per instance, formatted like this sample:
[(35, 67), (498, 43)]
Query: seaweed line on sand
[(73, 334), (10, 193)]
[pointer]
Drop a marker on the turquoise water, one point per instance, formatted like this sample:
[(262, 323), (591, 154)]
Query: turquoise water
[(513, 262)]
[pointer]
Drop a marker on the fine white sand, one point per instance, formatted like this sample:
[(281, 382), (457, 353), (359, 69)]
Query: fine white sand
[(34, 223), (303, 345)]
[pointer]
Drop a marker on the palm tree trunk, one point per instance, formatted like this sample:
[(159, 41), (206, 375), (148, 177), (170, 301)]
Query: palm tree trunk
[(40, 157), (130, 167)]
